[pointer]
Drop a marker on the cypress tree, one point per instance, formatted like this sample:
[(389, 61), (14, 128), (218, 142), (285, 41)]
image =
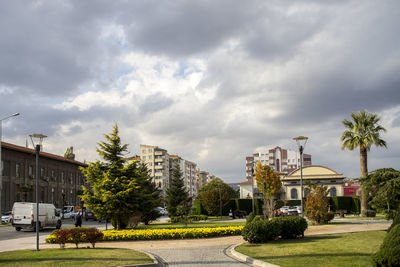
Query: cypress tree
[(177, 193)]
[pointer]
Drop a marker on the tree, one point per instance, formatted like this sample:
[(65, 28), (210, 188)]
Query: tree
[(214, 195), (362, 132), (25, 189), (148, 194), (69, 153), (317, 203), (177, 193), (269, 184), (384, 185), (113, 188)]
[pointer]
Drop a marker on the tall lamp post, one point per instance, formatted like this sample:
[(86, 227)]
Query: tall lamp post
[(1, 162), (252, 189), (301, 144), (39, 139)]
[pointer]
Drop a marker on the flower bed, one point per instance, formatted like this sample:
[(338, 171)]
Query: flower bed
[(154, 234)]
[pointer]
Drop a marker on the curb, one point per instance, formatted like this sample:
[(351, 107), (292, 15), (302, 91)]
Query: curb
[(248, 259), (156, 262)]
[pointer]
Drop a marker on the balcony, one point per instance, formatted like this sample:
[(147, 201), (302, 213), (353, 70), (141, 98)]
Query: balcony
[(158, 167), (158, 153), (158, 159)]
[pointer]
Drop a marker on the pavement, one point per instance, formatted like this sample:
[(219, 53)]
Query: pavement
[(202, 252)]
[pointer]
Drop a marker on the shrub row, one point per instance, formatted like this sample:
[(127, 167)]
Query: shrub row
[(75, 235), (389, 252), (262, 231), (192, 217), (180, 233)]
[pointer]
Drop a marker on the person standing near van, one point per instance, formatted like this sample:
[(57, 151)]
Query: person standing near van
[(78, 219)]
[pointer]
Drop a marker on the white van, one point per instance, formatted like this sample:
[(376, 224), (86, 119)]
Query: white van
[(24, 216)]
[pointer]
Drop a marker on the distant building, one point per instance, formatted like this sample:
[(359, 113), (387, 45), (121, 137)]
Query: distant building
[(203, 178), (157, 161), (59, 183), (352, 189), (188, 169)]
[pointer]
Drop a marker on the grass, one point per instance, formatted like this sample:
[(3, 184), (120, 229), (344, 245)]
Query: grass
[(191, 225), (377, 217), (352, 249), (73, 257)]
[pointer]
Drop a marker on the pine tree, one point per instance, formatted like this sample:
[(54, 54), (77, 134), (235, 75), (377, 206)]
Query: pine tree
[(176, 194), (112, 184), (148, 194)]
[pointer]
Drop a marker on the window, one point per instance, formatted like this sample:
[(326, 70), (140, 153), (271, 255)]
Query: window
[(333, 192), (150, 157), (41, 172), (150, 150), (293, 193), (144, 151), (144, 157), (30, 171), (151, 163), (71, 178), (62, 177), (17, 170)]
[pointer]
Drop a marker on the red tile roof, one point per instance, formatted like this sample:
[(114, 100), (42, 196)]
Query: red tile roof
[(42, 154)]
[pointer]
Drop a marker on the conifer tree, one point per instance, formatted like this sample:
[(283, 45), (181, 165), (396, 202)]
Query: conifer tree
[(177, 193), (112, 191)]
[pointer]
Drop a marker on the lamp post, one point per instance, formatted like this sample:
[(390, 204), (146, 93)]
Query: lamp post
[(1, 162), (38, 137), (252, 189), (301, 144)]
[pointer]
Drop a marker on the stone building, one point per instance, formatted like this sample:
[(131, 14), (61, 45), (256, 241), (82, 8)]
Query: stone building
[(59, 183)]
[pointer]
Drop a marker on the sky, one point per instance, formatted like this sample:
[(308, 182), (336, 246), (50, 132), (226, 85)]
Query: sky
[(208, 80)]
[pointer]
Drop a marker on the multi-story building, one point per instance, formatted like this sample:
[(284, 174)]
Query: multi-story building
[(279, 159), (157, 161), (203, 178), (188, 171), (59, 183)]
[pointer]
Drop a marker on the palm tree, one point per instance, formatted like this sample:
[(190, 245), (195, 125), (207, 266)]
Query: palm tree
[(362, 132)]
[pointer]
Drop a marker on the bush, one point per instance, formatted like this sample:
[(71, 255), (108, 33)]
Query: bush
[(370, 213), (396, 219), (178, 219), (250, 218), (291, 226), (76, 236), (389, 252), (329, 216), (261, 231)]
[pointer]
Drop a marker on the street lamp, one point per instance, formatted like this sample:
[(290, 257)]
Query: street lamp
[(252, 189), (1, 162), (301, 144), (39, 138)]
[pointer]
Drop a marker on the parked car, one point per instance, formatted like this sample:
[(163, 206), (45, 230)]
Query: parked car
[(299, 211), (24, 216), (88, 214), (6, 217), (69, 212), (284, 209), (292, 210), (162, 211)]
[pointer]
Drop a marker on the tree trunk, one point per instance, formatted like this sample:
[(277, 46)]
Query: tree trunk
[(364, 173)]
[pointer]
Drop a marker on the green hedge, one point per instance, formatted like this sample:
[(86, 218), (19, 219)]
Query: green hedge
[(192, 217), (262, 231), (349, 203)]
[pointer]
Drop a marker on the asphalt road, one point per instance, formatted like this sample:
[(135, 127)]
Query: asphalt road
[(9, 232)]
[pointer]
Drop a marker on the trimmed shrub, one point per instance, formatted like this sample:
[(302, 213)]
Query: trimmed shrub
[(370, 213), (389, 252), (329, 217), (93, 235), (61, 237), (250, 218), (261, 231), (396, 219), (356, 207), (291, 226), (178, 219)]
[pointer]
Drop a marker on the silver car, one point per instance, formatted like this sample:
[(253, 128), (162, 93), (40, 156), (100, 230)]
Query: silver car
[(6, 217)]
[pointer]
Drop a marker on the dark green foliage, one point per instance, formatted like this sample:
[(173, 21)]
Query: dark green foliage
[(370, 213), (191, 218), (396, 219), (389, 252), (196, 208), (261, 231), (329, 217), (123, 223), (384, 187), (356, 205), (292, 226), (214, 195), (176, 194), (250, 217), (293, 202), (341, 203)]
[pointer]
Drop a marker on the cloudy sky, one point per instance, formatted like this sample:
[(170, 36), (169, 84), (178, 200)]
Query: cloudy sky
[(208, 80)]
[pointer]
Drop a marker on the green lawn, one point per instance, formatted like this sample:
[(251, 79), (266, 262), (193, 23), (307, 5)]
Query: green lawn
[(73, 257), (191, 225), (353, 249), (377, 217)]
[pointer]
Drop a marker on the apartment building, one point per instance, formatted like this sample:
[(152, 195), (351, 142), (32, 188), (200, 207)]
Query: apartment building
[(203, 177), (157, 161), (188, 169), (280, 159), (60, 179)]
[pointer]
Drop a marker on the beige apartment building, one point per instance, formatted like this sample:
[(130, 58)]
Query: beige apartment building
[(157, 161)]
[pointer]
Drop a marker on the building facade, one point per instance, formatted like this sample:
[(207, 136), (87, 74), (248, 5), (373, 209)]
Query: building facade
[(60, 179), (157, 161)]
